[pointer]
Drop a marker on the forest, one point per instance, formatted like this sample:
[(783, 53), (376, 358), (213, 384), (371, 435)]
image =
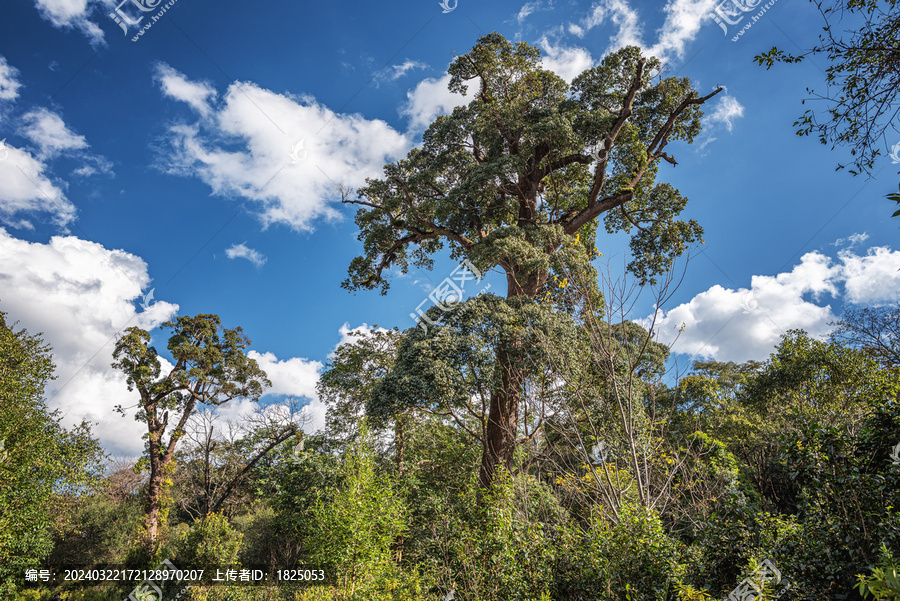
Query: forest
[(535, 443)]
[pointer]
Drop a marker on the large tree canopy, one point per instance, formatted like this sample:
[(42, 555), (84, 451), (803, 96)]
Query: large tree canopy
[(528, 164)]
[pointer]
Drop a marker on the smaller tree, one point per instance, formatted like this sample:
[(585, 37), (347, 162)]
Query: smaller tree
[(210, 368), (356, 530), (43, 466)]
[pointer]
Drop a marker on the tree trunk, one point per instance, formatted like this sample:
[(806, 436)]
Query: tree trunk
[(503, 416), (154, 499)]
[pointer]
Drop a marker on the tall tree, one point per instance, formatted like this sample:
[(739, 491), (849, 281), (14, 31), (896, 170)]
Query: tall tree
[(40, 461), (861, 41), (210, 368), (529, 163)]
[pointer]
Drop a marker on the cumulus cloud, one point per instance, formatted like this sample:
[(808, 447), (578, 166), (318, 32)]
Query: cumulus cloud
[(727, 110), (243, 149), (567, 62), (81, 295), (293, 377), (429, 99), (27, 189), (49, 133), (683, 21), (241, 251), (738, 325), (620, 14), (175, 85), (9, 81), (72, 14)]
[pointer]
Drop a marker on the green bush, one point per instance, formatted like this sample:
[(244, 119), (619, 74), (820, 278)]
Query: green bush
[(210, 544), (633, 559), (355, 534)]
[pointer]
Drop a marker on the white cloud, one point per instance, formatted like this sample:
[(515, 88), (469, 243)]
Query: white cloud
[(429, 99), (567, 62), (49, 133), (294, 377), (851, 240), (871, 279), (27, 189), (352, 335), (527, 9), (9, 82), (398, 71), (621, 14), (175, 85), (241, 251), (738, 325), (726, 111), (80, 295), (242, 149), (72, 14), (683, 21)]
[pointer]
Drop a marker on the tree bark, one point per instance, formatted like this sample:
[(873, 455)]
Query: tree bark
[(503, 415)]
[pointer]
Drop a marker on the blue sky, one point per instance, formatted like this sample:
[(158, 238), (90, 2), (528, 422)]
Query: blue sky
[(165, 164)]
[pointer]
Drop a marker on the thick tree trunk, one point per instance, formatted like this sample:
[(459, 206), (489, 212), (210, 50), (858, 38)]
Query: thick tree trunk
[(154, 501), (503, 416), (503, 421)]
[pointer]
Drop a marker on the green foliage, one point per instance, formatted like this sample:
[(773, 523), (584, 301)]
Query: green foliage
[(884, 581), (498, 551), (42, 465), (355, 532), (631, 560), (209, 544)]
